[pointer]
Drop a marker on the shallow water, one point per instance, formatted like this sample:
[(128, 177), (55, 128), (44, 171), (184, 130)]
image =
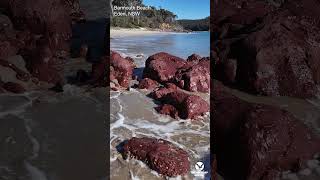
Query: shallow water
[(178, 44), (64, 133)]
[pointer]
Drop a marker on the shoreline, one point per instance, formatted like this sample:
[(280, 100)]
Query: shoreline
[(116, 32)]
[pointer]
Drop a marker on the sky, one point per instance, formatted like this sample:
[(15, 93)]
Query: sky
[(184, 9)]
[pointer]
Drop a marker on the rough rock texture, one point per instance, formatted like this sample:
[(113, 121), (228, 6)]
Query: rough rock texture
[(13, 87), (162, 67), (168, 109), (9, 44), (193, 58), (188, 106), (147, 83), (264, 49), (13, 70), (192, 74), (99, 72), (162, 91), (196, 78), (76, 14), (161, 155), (41, 35), (255, 141), (121, 69), (21, 75)]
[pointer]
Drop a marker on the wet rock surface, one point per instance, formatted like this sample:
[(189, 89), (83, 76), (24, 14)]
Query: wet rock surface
[(161, 155), (162, 67), (192, 74), (188, 106), (196, 77), (256, 141), (147, 83), (121, 69)]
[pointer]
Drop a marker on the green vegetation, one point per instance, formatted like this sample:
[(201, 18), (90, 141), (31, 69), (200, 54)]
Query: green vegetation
[(195, 25), (155, 18)]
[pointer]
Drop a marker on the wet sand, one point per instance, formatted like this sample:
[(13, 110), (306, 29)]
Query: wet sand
[(63, 134)]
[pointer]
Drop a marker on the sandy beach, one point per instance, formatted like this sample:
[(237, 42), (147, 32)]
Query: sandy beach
[(124, 32)]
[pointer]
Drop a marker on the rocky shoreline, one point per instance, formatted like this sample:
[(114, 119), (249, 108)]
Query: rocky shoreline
[(170, 81), (265, 49)]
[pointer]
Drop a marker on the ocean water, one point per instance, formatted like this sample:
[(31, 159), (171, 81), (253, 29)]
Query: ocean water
[(178, 44)]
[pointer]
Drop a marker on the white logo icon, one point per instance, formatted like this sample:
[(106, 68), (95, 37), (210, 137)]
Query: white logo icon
[(199, 166)]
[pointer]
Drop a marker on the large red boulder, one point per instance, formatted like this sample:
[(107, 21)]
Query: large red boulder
[(188, 106), (273, 46), (255, 141), (284, 59), (161, 155), (122, 69), (196, 78), (162, 67)]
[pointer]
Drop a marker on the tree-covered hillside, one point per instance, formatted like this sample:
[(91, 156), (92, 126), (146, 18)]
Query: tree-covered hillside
[(195, 25)]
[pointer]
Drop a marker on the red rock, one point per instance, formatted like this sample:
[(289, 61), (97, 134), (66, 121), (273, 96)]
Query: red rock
[(168, 109), (255, 141), (227, 71), (76, 14), (162, 91), (193, 58), (45, 66), (7, 50), (21, 75), (171, 86), (122, 69), (277, 56), (196, 78), (161, 155), (131, 61), (162, 67), (147, 83), (44, 41), (189, 106), (99, 72), (8, 43), (13, 87)]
